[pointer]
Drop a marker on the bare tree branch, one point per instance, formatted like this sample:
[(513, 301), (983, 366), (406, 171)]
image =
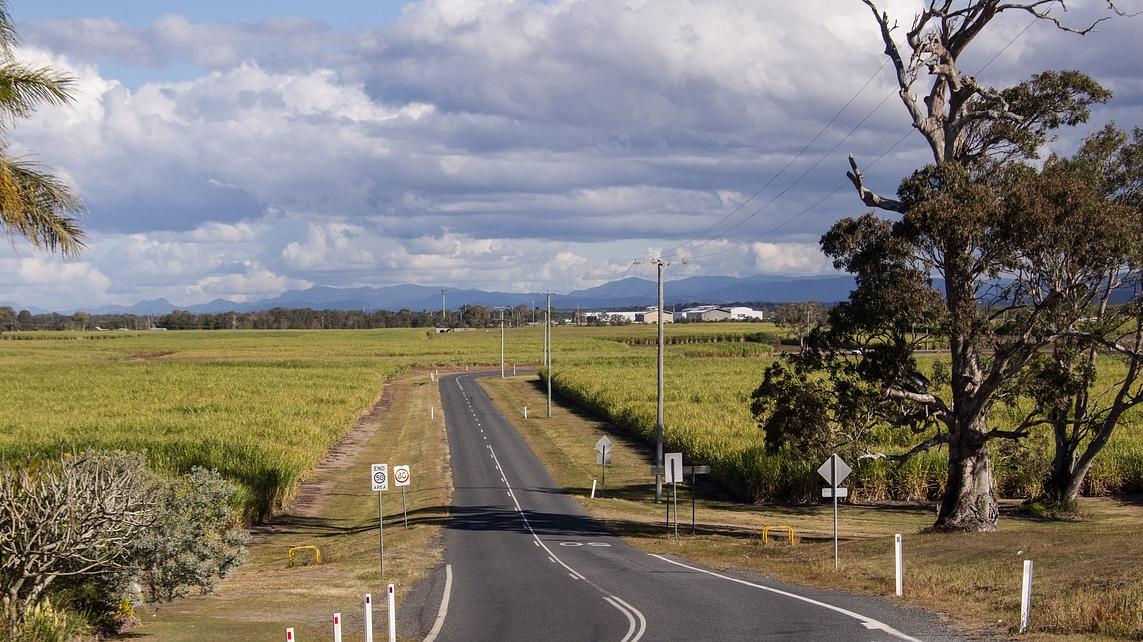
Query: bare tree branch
[(867, 196), (928, 444)]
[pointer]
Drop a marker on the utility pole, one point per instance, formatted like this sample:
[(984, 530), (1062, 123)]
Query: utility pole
[(501, 343), (548, 334), (659, 398), (444, 319), (659, 264)]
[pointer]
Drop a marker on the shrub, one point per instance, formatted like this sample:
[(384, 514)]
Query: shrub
[(102, 522)]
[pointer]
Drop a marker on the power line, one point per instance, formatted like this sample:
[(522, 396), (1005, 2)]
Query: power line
[(843, 184), (784, 168), (807, 209)]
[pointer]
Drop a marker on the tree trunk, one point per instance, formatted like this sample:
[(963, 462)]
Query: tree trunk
[(969, 504), (1060, 478)]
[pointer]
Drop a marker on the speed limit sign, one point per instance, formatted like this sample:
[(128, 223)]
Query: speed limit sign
[(401, 475), (380, 476)]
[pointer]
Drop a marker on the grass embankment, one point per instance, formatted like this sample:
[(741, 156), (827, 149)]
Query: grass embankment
[(1088, 579), (338, 514), (708, 418)]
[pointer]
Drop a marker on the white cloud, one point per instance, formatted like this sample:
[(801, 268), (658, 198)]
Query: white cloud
[(330, 246), (490, 143), (256, 282)]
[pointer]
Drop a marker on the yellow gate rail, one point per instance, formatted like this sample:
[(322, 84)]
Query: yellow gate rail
[(766, 533), (294, 551)]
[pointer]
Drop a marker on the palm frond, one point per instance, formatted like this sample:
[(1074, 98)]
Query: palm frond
[(8, 37), (23, 88), (40, 207)]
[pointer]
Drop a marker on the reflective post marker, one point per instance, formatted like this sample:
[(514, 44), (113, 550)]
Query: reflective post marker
[(392, 615), (337, 627), (1026, 597), (290, 634), (368, 617), (900, 564)]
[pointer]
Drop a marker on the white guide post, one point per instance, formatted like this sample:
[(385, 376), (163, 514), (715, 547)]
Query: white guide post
[(337, 627), (290, 634), (392, 615), (368, 617), (1026, 597), (900, 564)]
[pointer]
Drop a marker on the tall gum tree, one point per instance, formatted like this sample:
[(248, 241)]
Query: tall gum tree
[(948, 228)]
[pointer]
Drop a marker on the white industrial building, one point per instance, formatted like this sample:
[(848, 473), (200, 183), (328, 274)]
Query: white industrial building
[(649, 315), (720, 313)]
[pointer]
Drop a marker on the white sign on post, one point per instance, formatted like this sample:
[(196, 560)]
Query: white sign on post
[(673, 468), (380, 477), (401, 475), (827, 470), (834, 471), (603, 447), (402, 478)]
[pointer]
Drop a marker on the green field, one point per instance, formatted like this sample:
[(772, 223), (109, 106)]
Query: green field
[(708, 418), (263, 406)]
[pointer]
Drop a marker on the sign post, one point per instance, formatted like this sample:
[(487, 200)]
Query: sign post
[(380, 484), (834, 471), (659, 471), (673, 466), (603, 447), (401, 478)]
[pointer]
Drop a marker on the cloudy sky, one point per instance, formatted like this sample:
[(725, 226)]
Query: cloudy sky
[(241, 149)]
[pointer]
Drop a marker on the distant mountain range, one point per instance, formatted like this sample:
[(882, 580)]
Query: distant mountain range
[(624, 293)]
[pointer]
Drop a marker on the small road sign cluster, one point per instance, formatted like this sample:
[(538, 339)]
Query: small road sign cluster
[(379, 482)]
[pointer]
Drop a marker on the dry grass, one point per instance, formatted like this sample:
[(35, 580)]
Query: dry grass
[(1089, 573), (264, 595)]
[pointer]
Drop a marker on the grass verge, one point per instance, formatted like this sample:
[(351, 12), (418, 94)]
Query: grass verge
[(1088, 586), (337, 512)]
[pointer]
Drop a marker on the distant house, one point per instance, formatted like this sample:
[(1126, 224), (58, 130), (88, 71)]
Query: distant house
[(651, 315)]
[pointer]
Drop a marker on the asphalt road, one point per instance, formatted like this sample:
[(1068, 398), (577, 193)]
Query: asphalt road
[(526, 562)]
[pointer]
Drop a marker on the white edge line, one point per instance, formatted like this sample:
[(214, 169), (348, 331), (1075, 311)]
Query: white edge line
[(869, 622), (444, 606), (630, 618), (642, 620)]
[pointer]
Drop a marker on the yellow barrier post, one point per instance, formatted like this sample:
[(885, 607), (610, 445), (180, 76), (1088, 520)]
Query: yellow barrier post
[(788, 530), (290, 555)]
